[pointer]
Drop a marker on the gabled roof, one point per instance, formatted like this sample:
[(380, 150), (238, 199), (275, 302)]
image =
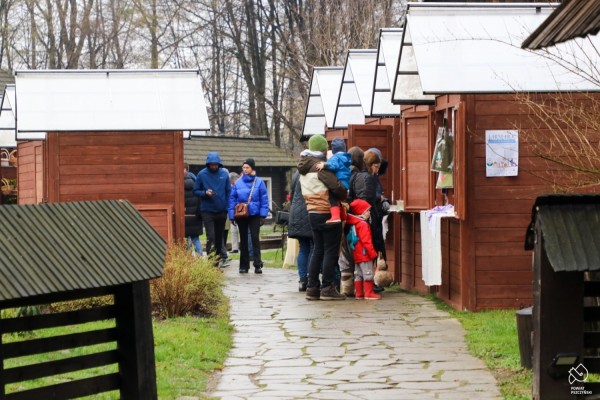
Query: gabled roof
[(356, 92), (407, 87), (388, 52), (60, 247), (476, 48), (571, 19), (322, 100), (7, 118), (570, 226), (109, 100), (234, 150)]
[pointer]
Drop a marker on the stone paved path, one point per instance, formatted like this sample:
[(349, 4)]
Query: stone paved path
[(400, 347)]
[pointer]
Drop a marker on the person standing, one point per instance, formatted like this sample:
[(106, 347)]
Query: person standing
[(316, 186), (362, 250), (213, 187), (235, 243), (193, 221), (299, 228), (251, 190)]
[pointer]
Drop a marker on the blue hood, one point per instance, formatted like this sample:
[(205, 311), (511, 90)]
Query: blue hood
[(213, 158)]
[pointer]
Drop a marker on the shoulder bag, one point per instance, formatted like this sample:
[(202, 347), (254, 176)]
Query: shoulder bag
[(241, 209)]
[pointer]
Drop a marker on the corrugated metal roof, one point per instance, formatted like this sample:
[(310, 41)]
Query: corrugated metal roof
[(356, 92), (570, 226), (476, 48), (388, 51), (59, 247), (322, 100), (571, 19), (234, 150), (7, 118), (109, 100)]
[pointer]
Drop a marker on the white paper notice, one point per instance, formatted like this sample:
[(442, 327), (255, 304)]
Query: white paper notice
[(502, 153)]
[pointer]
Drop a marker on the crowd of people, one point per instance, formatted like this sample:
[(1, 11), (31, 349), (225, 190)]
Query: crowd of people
[(336, 210)]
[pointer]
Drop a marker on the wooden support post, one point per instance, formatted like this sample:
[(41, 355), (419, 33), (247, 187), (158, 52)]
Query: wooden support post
[(135, 341)]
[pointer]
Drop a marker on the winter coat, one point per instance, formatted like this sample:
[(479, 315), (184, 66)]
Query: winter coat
[(363, 249), (339, 164), (218, 181), (316, 185), (259, 203), (362, 186), (299, 224), (193, 221)]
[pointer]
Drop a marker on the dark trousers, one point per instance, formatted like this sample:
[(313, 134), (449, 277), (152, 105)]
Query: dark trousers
[(214, 224), (251, 224), (326, 238)]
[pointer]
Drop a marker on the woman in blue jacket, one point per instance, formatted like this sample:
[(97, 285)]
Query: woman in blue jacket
[(249, 189)]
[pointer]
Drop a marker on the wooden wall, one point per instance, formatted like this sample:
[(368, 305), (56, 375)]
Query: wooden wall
[(145, 168)]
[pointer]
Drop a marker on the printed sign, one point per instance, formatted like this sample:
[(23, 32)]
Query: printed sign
[(502, 153)]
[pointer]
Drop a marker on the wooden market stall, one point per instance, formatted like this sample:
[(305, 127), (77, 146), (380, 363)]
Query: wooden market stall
[(108, 134), (495, 170)]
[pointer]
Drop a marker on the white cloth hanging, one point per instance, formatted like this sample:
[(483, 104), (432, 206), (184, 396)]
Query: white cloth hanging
[(431, 243)]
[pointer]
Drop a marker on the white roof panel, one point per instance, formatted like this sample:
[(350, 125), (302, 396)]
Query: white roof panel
[(476, 49), (109, 100), (387, 61), (356, 92), (324, 90), (7, 118), (407, 84)]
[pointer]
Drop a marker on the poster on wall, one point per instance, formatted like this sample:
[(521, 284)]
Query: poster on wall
[(502, 153)]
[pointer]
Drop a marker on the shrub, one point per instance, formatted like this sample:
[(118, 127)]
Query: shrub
[(189, 285)]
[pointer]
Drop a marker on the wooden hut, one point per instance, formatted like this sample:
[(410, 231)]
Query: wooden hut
[(273, 165), (564, 233), (108, 134), (8, 143), (483, 263), (52, 253)]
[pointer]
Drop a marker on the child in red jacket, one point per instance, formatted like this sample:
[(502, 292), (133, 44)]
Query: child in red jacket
[(363, 250)]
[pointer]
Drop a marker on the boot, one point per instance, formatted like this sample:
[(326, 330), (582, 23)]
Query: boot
[(335, 215), (347, 286), (302, 284), (330, 293), (313, 293), (369, 293), (358, 290)]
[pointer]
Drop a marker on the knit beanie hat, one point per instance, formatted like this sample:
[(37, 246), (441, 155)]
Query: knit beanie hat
[(359, 206), (317, 143), (250, 162), (338, 145)]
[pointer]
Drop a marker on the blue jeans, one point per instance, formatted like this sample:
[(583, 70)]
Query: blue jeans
[(324, 260), (305, 248), (194, 241)]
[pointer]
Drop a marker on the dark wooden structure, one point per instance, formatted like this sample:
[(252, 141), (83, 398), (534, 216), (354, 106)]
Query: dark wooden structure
[(564, 233), (272, 164), (69, 251), (145, 168)]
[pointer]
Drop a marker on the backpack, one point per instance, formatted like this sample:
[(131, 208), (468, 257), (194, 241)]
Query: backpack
[(352, 237)]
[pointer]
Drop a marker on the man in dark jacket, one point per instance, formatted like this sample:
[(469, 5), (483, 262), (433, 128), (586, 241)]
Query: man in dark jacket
[(213, 187), (299, 229), (193, 221)]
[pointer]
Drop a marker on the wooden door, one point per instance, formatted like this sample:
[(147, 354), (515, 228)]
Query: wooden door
[(417, 178)]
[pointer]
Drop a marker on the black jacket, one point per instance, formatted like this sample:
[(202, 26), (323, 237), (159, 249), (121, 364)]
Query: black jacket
[(193, 222), (299, 224)]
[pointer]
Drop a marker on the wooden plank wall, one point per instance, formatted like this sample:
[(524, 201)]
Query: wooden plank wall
[(499, 208), (31, 172), (145, 168)]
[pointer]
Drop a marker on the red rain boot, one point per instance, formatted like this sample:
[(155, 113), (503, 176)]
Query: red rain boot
[(335, 215), (358, 290), (369, 293)]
